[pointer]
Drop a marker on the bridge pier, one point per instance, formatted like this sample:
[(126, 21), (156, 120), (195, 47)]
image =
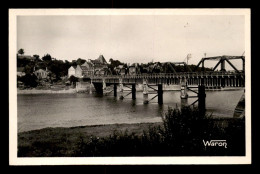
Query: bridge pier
[(222, 82), (133, 92), (99, 88), (202, 99), (240, 81), (160, 94), (121, 88), (184, 94), (145, 92), (90, 87), (115, 90)]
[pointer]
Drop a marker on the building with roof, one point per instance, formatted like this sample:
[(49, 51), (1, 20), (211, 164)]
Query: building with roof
[(41, 73), (84, 70), (72, 71), (89, 68), (99, 63)]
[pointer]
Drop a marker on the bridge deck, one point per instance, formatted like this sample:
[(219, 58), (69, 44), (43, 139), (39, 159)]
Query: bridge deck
[(233, 79)]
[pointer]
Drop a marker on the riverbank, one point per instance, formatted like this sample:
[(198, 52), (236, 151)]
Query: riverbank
[(133, 139), (69, 91), (45, 91), (64, 141)]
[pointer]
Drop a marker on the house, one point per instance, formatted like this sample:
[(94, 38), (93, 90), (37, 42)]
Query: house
[(72, 71), (89, 70), (42, 74), (20, 71), (84, 70)]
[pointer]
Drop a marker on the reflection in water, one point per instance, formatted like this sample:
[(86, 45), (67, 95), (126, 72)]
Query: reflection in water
[(38, 111)]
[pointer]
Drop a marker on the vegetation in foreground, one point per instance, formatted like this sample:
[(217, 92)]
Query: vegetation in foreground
[(181, 134)]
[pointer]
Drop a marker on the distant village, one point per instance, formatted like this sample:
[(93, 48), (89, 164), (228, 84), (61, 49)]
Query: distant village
[(48, 72)]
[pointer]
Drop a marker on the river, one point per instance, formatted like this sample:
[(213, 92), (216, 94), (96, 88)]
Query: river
[(37, 111)]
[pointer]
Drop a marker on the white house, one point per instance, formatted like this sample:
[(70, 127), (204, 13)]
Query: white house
[(72, 71)]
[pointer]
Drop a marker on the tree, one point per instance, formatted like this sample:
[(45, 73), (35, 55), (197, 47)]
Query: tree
[(73, 79), (46, 57), (80, 61), (29, 80), (28, 69), (21, 51), (37, 57)]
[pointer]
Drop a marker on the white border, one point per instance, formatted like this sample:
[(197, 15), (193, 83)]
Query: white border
[(14, 160)]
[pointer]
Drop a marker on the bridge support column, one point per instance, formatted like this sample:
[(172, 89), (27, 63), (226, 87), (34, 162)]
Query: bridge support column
[(160, 94), (99, 88), (240, 81), (226, 81), (223, 80), (90, 87), (115, 90), (133, 92), (145, 91), (202, 99), (184, 94), (231, 82), (104, 84), (121, 88)]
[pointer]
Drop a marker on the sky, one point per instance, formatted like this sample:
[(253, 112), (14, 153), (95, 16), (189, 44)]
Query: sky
[(133, 38)]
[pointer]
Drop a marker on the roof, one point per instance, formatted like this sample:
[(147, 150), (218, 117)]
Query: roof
[(87, 64), (20, 69), (102, 59), (99, 60), (73, 67), (84, 68), (95, 61)]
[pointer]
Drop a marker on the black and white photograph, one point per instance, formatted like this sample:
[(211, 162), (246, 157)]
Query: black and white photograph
[(129, 86)]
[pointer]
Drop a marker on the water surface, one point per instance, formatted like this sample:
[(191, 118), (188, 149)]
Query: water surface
[(36, 111)]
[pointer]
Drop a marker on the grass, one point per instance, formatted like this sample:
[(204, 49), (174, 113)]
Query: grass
[(181, 133)]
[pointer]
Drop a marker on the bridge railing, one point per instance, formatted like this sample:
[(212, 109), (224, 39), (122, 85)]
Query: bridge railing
[(169, 75)]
